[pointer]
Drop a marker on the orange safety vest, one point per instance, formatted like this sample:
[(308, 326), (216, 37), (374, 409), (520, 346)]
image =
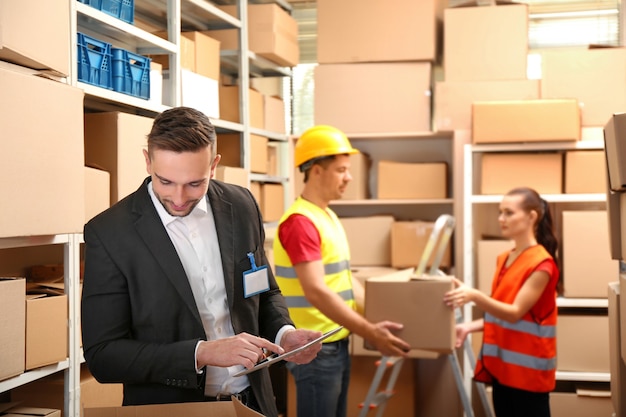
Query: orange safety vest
[(522, 354)]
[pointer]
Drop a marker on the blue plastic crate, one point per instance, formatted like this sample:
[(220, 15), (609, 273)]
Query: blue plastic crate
[(131, 73), (122, 9), (94, 61)]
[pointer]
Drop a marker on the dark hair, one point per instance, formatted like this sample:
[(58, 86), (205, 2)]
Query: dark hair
[(544, 226), (324, 161), (182, 129)]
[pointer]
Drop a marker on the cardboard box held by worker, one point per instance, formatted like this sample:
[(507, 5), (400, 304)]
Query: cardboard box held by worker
[(417, 303)]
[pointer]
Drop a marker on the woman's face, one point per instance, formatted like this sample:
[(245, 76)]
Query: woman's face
[(513, 219)]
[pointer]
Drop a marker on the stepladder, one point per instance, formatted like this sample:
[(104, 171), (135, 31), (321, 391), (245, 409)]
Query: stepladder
[(389, 367)]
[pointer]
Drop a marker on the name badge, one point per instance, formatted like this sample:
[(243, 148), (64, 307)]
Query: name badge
[(255, 280)]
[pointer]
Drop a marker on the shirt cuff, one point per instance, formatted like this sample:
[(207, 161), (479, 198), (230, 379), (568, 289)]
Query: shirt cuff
[(195, 355), (281, 332)]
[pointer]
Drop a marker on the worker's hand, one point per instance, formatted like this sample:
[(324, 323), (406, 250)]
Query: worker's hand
[(386, 342), (462, 330), (242, 349), (459, 296), (293, 339)]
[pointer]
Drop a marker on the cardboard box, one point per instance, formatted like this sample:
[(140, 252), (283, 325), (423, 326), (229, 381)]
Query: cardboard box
[(501, 172), (453, 99), (408, 241), (405, 32), (50, 392), (496, 49), (229, 106), (41, 123), (232, 408), (579, 339), (22, 411), (618, 368), (197, 91), (586, 257), (582, 403), (273, 165), (232, 175), (374, 97), (369, 239), (272, 201), (186, 51), (363, 273), (487, 252), (229, 146), (585, 172), (622, 317), (255, 189), (544, 120), (274, 114), (46, 330), (199, 53), (36, 34), (272, 34), (615, 148), (592, 76), (416, 303), (12, 322), (358, 187), (419, 180), (115, 141), (97, 192)]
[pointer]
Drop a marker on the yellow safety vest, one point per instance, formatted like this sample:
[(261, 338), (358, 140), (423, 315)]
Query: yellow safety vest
[(336, 260)]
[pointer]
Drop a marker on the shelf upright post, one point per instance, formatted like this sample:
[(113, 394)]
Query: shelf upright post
[(468, 247), (173, 34), (71, 279), (244, 83)]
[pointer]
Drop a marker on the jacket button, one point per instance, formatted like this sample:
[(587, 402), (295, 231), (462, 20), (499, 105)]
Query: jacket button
[(167, 381)]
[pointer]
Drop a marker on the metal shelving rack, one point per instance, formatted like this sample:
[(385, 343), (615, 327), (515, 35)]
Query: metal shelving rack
[(173, 16)]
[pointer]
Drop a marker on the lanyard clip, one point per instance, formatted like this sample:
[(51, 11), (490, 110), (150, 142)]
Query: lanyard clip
[(252, 262)]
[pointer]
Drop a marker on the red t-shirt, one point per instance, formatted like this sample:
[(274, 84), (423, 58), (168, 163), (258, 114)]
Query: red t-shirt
[(301, 239)]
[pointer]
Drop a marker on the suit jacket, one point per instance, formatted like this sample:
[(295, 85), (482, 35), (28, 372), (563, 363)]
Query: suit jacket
[(140, 322)]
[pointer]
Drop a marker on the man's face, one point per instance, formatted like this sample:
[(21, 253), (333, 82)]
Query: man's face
[(336, 176), (181, 180)]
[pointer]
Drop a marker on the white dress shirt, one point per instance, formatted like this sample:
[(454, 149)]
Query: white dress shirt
[(195, 239)]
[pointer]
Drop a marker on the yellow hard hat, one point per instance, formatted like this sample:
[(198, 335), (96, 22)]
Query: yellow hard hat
[(320, 141)]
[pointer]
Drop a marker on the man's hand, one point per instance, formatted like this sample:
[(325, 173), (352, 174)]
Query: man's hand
[(385, 342), (293, 339), (242, 349)]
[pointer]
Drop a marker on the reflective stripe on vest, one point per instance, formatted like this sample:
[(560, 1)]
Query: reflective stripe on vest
[(520, 359), (523, 326), (329, 269), (301, 301)]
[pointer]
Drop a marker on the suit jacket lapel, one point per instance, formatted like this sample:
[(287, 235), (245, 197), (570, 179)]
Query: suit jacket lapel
[(151, 230), (224, 224)]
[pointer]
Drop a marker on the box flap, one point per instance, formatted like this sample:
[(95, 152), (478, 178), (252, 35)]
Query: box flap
[(31, 411), (400, 276), (200, 409), (486, 3), (585, 392), (7, 406)]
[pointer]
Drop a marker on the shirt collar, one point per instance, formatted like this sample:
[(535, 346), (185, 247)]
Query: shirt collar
[(200, 209)]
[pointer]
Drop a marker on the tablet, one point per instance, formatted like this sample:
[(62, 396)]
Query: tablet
[(272, 359)]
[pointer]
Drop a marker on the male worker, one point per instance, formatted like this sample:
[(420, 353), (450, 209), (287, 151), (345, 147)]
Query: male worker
[(312, 261), (177, 298)]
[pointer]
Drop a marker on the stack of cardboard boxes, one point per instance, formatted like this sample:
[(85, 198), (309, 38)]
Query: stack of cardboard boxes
[(487, 91)]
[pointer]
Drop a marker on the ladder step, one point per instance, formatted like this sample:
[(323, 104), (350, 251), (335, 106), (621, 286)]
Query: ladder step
[(380, 398)]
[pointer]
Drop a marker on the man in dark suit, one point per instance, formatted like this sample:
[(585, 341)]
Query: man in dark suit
[(176, 295)]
